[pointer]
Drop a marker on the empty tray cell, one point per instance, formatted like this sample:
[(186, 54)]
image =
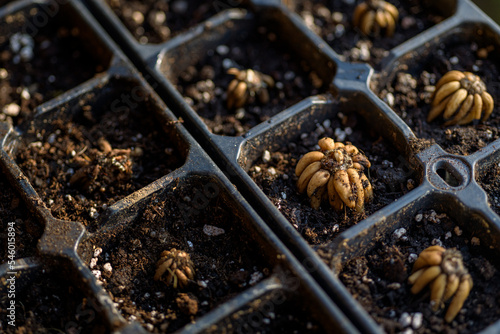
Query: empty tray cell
[(272, 167), (195, 215), (333, 21), (199, 69), (157, 21), (277, 312), (20, 231), (45, 49), (47, 302), (375, 264), (472, 48), (85, 154)]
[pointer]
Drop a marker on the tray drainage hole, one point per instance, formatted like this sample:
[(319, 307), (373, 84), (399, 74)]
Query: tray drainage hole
[(448, 177)]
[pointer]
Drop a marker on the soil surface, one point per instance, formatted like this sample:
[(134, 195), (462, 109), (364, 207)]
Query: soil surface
[(152, 21), (379, 279), (36, 69), (333, 22), (390, 175), (264, 316), (410, 92), (204, 85), (48, 303), (189, 218), (489, 180), (79, 166), (27, 229)]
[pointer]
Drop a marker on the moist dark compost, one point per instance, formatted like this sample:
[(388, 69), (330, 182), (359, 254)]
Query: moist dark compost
[(13, 213), (35, 69), (79, 166), (205, 84), (489, 180), (226, 257), (410, 92), (48, 303), (332, 20), (378, 280), (153, 21), (266, 316), (390, 175)]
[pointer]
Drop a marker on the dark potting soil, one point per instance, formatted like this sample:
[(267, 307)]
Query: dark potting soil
[(410, 92), (153, 21), (80, 166), (14, 214), (266, 316), (27, 81), (378, 280), (332, 20), (50, 304), (225, 263), (489, 180), (390, 175), (204, 85)]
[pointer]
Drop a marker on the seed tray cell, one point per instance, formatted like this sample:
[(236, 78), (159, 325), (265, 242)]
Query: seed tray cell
[(379, 255), (168, 202), (156, 22), (41, 45), (391, 175), (84, 154), (469, 47), (332, 20), (202, 81), (199, 215)]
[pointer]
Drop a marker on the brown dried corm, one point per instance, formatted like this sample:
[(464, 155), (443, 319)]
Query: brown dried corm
[(246, 85), (461, 97), (374, 16), (443, 270), (174, 268), (335, 173)]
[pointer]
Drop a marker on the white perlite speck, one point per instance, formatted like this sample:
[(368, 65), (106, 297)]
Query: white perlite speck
[(405, 319), (107, 268), (93, 262), (256, 277), (11, 110), (97, 273), (266, 156), (213, 231), (97, 251), (416, 322), (412, 257), (399, 233)]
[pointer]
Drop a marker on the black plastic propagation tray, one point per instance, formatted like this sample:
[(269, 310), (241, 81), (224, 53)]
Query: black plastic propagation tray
[(300, 270)]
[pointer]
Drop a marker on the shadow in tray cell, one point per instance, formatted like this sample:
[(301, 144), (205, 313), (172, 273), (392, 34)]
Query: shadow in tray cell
[(39, 62), (47, 302), (14, 217)]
